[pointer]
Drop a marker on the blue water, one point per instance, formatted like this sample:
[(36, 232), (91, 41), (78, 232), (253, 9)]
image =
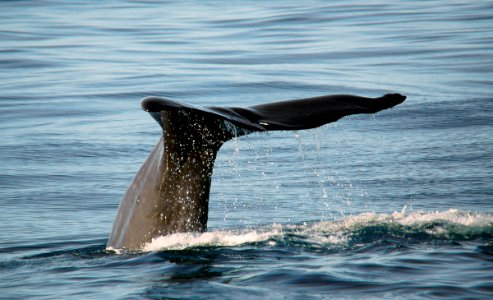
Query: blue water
[(395, 205)]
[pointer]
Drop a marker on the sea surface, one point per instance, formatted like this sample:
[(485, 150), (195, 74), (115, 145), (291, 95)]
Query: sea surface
[(397, 205)]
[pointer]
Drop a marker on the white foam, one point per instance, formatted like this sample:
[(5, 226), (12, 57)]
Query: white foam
[(179, 241), (417, 218), (117, 251), (451, 216), (324, 233)]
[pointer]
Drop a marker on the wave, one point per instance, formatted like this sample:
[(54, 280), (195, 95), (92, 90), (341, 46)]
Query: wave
[(353, 231)]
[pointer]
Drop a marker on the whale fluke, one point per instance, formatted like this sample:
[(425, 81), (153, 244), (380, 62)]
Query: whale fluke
[(170, 192)]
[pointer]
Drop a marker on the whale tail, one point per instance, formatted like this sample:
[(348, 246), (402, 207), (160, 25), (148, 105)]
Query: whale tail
[(283, 115), (170, 193)]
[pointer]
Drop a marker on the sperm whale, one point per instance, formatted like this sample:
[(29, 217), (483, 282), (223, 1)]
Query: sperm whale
[(170, 192)]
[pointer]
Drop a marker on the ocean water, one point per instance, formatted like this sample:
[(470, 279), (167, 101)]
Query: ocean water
[(393, 205)]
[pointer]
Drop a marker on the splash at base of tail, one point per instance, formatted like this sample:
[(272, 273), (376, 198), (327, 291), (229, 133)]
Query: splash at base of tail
[(170, 193)]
